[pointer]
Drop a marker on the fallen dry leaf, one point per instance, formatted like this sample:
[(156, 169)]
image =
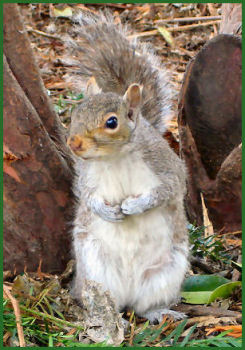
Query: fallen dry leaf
[(204, 321), (236, 242), (236, 331)]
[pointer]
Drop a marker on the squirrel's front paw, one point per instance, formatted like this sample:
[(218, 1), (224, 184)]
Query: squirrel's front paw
[(107, 211), (112, 213), (135, 205)]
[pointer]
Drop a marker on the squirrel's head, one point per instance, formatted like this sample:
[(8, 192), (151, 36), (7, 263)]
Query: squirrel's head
[(103, 123)]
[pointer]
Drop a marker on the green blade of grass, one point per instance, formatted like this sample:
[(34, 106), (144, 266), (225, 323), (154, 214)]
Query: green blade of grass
[(142, 336), (50, 341), (175, 331), (156, 333), (186, 339), (56, 320), (179, 331)]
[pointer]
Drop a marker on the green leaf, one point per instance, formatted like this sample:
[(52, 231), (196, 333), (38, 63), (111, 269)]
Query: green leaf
[(224, 291), (196, 297), (66, 12), (166, 35), (203, 283), (204, 289)]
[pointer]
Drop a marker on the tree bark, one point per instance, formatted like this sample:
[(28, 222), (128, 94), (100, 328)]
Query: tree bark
[(210, 133), (37, 163)]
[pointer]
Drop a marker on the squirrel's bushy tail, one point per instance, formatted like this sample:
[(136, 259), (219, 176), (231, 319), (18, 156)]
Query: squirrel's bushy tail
[(102, 49)]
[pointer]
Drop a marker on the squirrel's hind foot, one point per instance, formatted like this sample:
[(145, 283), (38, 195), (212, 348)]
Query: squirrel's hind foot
[(156, 316)]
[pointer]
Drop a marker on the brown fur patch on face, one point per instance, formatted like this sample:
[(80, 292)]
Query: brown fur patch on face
[(80, 144)]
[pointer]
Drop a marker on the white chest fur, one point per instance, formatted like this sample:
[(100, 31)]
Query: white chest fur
[(118, 179)]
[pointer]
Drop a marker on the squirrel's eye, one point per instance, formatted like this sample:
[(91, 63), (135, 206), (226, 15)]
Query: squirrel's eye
[(111, 123)]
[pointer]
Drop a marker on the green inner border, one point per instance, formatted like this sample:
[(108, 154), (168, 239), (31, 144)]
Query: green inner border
[(120, 2), (1, 124), (1, 173), (243, 180)]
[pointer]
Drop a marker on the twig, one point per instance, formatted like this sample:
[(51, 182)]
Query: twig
[(17, 314), (229, 233), (119, 6), (7, 274), (39, 32), (232, 248), (173, 29), (236, 274), (200, 320), (72, 101), (202, 310), (39, 270), (208, 227), (191, 26), (132, 329), (187, 19), (6, 336), (187, 53), (197, 262), (148, 33)]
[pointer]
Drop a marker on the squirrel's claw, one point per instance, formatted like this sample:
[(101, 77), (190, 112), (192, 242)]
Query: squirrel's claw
[(135, 205)]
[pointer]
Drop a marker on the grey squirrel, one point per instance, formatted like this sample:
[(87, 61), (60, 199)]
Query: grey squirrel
[(130, 231)]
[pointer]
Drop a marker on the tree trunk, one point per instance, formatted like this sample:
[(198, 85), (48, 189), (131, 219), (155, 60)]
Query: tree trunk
[(210, 132), (37, 163)]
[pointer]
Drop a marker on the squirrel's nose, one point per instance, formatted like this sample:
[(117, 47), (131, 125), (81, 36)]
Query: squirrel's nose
[(75, 143)]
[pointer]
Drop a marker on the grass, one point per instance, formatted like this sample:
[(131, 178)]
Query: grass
[(150, 336), (36, 331), (43, 333), (66, 104)]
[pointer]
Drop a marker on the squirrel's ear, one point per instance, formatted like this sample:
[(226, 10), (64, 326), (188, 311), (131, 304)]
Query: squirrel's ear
[(92, 87), (133, 96), (133, 100)]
